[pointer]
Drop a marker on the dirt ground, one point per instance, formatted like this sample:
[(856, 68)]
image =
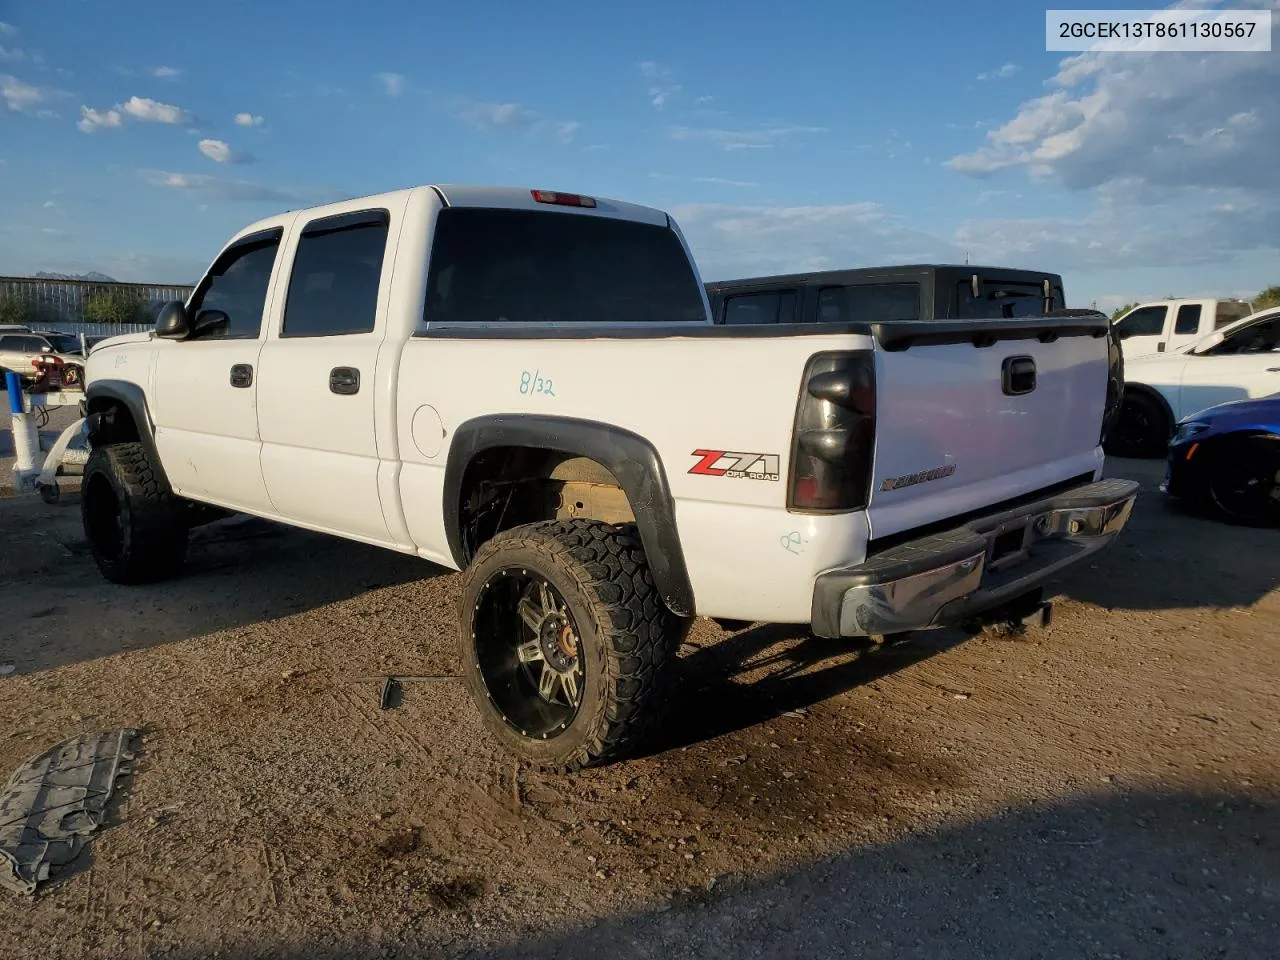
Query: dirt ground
[(1108, 789)]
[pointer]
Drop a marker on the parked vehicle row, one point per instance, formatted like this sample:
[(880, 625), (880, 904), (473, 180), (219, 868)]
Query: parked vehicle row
[(529, 386), (1237, 362)]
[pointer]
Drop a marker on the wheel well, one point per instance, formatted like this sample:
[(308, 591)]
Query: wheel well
[(505, 487), (111, 422)]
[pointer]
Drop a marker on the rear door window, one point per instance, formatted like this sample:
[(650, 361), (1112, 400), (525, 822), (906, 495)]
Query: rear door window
[(1188, 320), (881, 302), (775, 306), (333, 289), (533, 266)]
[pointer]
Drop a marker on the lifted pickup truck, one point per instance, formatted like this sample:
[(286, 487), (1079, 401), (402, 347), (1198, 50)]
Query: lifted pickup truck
[(882, 294), (527, 386)]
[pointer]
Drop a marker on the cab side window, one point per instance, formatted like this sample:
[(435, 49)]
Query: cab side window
[(1146, 322), (333, 289), (1260, 337), (237, 285), (1188, 319), (772, 307)]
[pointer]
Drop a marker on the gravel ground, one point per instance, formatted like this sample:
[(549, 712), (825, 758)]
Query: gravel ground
[(1107, 789)]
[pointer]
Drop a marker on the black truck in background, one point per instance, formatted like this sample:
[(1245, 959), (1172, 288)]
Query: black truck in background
[(915, 292), (879, 294)]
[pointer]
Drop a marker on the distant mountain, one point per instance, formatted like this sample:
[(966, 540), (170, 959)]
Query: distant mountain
[(91, 275)]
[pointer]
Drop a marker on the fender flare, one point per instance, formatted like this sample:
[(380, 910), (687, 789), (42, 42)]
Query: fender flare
[(632, 460), (133, 399)]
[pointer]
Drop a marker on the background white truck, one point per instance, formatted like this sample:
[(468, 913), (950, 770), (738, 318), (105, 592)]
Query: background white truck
[(526, 385), (1167, 326)]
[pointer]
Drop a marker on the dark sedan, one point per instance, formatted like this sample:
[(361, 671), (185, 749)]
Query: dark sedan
[(1227, 458)]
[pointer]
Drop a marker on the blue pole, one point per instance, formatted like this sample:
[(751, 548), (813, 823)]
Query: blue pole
[(14, 386)]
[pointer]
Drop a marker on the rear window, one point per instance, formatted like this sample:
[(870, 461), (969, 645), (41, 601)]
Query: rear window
[(1000, 299), (531, 266)]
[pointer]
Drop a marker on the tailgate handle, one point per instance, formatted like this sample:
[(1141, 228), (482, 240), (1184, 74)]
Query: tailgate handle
[(1018, 376)]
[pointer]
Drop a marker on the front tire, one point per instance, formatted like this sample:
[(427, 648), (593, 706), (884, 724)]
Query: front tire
[(1141, 430), (565, 641), (1244, 482), (132, 520)]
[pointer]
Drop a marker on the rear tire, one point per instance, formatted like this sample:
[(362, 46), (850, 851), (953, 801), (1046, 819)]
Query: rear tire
[(1141, 430), (566, 599), (133, 522), (1244, 482)]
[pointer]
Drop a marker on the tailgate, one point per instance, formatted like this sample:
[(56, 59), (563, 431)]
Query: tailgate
[(972, 414)]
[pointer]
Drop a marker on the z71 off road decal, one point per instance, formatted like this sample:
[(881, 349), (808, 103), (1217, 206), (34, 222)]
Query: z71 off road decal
[(738, 466), (911, 479)]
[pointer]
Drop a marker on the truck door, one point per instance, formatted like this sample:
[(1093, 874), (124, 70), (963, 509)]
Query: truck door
[(318, 377), (1142, 331), (1186, 326), (206, 386)]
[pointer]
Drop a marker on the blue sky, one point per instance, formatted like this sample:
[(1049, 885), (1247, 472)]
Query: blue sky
[(134, 138)]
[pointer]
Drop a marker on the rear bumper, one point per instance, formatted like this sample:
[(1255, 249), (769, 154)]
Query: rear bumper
[(952, 576)]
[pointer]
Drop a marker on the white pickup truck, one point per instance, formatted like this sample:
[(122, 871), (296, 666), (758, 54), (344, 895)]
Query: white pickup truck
[(527, 386), (1167, 326)]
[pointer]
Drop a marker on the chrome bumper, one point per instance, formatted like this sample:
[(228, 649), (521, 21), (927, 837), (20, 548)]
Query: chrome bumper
[(954, 575)]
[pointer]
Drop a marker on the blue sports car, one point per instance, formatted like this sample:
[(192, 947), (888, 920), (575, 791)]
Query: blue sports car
[(1227, 457)]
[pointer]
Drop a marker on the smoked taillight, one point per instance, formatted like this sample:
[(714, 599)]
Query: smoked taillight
[(834, 436)]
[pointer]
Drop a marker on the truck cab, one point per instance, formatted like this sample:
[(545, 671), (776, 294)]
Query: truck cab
[(888, 293), (1169, 326)]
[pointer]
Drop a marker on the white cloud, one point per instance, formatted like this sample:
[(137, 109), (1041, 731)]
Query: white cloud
[(210, 187), (763, 138), (514, 117), (21, 97), (393, 83), (738, 241), (1007, 70), (1206, 120), (662, 85), (166, 73), (12, 54), (8, 30), (49, 204), (152, 111), (496, 116), (220, 151), (91, 120), (248, 120), (714, 181)]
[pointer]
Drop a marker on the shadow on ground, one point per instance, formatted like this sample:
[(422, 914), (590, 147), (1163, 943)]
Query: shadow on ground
[(713, 695), (1159, 875), (239, 571), (1172, 558)]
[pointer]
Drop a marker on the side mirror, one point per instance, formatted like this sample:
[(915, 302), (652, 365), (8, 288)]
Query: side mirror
[(172, 322), (207, 321), (46, 349)]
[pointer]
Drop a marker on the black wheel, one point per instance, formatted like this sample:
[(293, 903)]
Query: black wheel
[(1244, 481), (564, 641), (1141, 430), (132, 520)]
